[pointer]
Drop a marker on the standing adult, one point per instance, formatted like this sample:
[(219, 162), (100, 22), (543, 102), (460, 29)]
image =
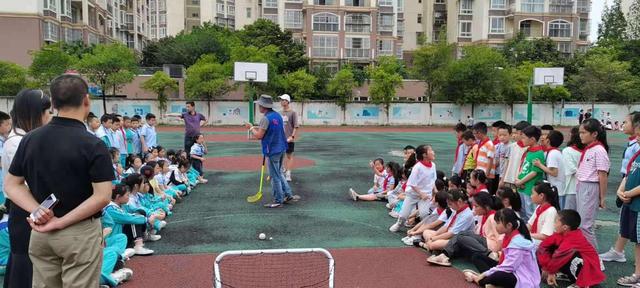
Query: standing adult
[(192, 123), (63, 159), (274, 144), (587, 115), (581, 117), (291, 125), (30, 111)]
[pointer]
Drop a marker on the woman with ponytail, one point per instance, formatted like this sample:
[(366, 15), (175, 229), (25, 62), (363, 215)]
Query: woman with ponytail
[(516, 266), (592, 175)]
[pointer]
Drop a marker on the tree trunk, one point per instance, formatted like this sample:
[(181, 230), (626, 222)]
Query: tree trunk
[(104, 101)]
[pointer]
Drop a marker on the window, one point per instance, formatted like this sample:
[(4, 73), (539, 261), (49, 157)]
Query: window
[(465, 29), (153, 32), (270, 3), (68, 35), (272, 17), (385, 2), (385, 22), (400, 28), (152, 20), (292, 19), (357, 47), (357, 23), (325, 22), (65, 7), (50, 31), (162, 5), (163, 19), (440, 2), (195, 15), (163, 32), (400, 5), (51, 5), (325, 46), (231, 9), (220, 8), (559, 28), (561, 6), (498, 4), (385, 47), (296, 1), (584, 6), (584, 26), (357, 3), (195, 2), (399, 52), (466, 7), (249, 13), (496, 25), (76, 35), (419, 18), (564, 47), (324, 2), (533, 6)]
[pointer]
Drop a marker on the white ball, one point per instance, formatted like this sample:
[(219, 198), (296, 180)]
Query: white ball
[(262, 236)]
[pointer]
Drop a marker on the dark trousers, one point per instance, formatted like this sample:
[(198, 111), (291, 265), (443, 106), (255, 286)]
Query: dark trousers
[(499, 278), (133, 232), (493, 184), (572, 268), (188, 142), (197, 164), (483, 262), (19, 271), (466, 243)]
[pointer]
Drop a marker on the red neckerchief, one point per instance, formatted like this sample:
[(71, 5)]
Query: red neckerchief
[(380, 170), (574, 147), (632, 138), (485, 217), (633, 158), (480, 147), (505, 243), (584, 152), (521, 144), (539, 211), (547, 150), (440, 210), (453, 220), (404, 186), (496, 140), (465, 158), (124, 136), (531, 149), (426, 163), (481, 187), (455, 157), (386, 182)]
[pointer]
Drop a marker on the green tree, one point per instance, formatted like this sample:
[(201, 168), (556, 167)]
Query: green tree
[(264, 32), (77, 48), (160, 84), (299, 84), (475, 78), (323, 75), (386, 79), (519, 49), (110, 66), (630, 52), (13, 78), (49, 62), (612, 29), (207, 79), (430, 63), (633, 21), (341, 86), (603, 78)]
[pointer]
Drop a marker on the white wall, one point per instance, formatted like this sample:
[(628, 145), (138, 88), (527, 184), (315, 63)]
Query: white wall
[(21, 6), (330, 114)]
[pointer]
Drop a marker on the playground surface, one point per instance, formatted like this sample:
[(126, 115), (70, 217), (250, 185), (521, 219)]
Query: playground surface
[(217, 218)]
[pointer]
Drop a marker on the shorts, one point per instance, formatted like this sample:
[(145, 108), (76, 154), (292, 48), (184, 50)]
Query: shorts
[(291, 147), (629, 224)]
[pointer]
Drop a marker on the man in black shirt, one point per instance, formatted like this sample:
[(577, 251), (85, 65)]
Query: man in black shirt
[(63, 159)]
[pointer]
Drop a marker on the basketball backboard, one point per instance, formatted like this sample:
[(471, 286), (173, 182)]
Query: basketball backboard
[(248, 71), (548, 76)]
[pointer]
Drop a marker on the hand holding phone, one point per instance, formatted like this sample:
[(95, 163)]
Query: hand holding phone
[(43, 213)]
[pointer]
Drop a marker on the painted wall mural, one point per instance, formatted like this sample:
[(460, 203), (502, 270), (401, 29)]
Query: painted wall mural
[(406, 112)]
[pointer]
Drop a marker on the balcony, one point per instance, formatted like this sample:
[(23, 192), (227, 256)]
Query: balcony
[(357, 53)]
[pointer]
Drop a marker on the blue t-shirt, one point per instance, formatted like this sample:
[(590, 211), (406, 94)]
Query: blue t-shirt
[(629, 151), (274, 140), (149, 134)]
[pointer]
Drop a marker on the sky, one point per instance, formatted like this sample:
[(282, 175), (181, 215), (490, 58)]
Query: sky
[(596, 14)]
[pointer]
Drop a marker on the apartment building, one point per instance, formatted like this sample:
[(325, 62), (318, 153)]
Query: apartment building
[(626, 6), (170, 17), (26, 25), (493, 22)]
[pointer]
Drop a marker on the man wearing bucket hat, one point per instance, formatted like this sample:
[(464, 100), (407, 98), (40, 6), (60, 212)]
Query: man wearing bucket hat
[(274, 144), (290, 119)]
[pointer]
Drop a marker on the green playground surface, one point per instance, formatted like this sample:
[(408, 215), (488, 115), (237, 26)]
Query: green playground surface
[(216, 216)]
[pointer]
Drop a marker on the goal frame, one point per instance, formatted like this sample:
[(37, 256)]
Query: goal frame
[(217, 281)]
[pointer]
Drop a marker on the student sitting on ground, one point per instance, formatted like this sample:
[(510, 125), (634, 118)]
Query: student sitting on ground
[(510, 199), (178, 176), (117, 168), (484, 239), (379, 174), (567, 251), (516, 266), (541, 223), (139, 204), (455, 182), (397, 194), (438, 217), (135, 163), (389, 184), (478, 181), (462, 220)]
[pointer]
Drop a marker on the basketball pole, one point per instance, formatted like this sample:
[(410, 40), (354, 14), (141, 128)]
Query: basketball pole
[(251, 99), (529, 101)]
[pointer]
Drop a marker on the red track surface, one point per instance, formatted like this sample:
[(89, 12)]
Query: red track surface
[(370, 268), (247, 163)]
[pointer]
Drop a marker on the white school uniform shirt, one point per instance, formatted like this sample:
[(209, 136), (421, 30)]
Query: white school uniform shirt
[(9, 150), (554, 160), (378, 180), (464, 222), (570, 159), (545, 222), (422, 177), (515, 159)]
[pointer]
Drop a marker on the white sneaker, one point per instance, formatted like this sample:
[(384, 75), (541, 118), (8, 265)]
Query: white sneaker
[(163, 224), (152, 237), (395, 227), (122, 275), (287, 175), (388, 206), (613, 256), (394, 214), (140, 250), (128, 253), (409, 240), (353, 194)]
